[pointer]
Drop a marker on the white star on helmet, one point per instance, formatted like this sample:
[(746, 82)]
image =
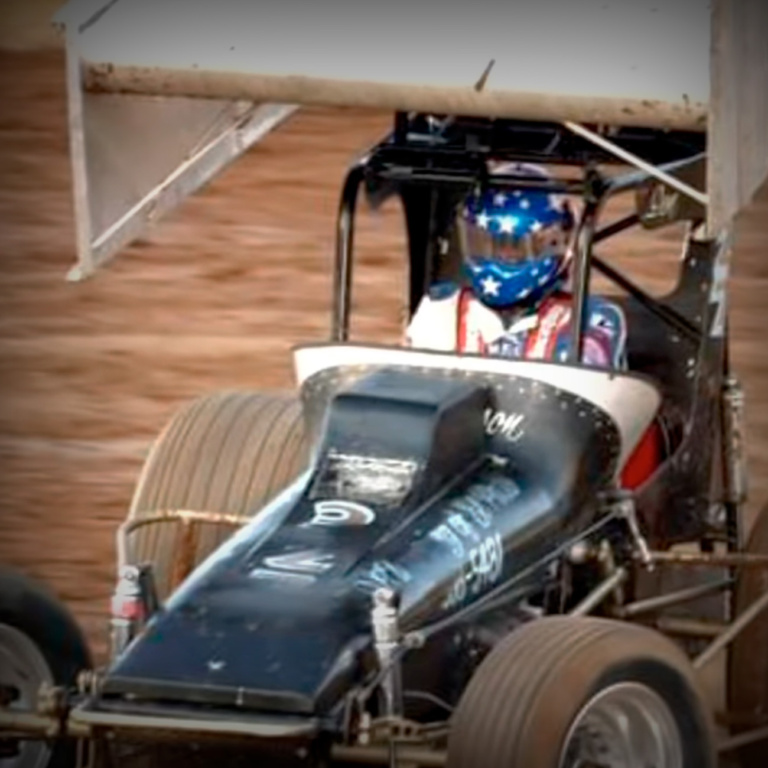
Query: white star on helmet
[(490, 286), (499, 199), (507, 224), (483, 220)]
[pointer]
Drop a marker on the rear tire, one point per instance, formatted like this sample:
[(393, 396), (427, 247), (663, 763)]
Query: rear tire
[(230, 452), (40, 642), (748, 656), (561, 690)]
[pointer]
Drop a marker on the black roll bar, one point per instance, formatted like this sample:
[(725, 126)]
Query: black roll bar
[(389, 161), (345, 234)]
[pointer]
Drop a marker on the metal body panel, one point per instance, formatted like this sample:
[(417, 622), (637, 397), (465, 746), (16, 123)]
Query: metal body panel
[(688, 370), (294, 589), (658, 53), (190, 723), (630, 400), (229, 53), (134, 158), (738, 120), (688, 66), (144, 155)]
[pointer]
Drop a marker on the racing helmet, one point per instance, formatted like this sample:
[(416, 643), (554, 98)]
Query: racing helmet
[(516, 242)]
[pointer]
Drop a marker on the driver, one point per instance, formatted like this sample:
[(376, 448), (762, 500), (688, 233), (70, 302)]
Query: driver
[(518, 247)]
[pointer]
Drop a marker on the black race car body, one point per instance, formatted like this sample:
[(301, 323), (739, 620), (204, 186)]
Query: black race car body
[(427, 523), (447, 480)]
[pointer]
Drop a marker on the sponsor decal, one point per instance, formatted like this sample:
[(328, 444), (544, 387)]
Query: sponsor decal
[(383, 573), (495, 495), (366, 478), (469, 534), (508, 426), (444, 534), (468, 516), (339, 513), (462, 526), (482, 569), (305, 566)]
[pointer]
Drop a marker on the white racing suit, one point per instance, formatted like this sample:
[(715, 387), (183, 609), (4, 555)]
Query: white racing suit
[(452, 319)]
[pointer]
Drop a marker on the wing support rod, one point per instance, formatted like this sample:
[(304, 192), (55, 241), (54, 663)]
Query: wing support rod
[(609, 146)]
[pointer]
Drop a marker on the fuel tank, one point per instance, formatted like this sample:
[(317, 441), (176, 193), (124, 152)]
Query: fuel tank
[(441, 486)]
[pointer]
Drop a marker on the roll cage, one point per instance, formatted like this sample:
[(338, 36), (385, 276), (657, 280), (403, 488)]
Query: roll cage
[(432, 164), (678, 340)]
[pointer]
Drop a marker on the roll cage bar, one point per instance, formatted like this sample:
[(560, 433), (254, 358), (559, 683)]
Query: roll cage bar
[(433, 163)]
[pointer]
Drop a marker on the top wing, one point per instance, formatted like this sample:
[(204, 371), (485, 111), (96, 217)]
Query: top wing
[(628, 61), (164, 94)]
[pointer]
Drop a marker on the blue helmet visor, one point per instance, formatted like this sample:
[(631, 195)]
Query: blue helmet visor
[(504, 244)]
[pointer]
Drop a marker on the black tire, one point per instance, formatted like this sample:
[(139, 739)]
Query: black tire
[(748, 654), (230, 452), (520, 705), (46, 646)]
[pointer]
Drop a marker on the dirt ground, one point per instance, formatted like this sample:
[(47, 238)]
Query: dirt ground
[(213, 298)]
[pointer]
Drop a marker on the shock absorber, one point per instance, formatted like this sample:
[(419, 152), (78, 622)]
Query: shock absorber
[(387, 640), (735, 488), (735, 441), (134, 601)]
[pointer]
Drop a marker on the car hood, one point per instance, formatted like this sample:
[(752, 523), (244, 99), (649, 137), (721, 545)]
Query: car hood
[(279, 618)]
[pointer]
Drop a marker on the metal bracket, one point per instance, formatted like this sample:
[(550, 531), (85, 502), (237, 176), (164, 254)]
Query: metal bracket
[(622, 154)]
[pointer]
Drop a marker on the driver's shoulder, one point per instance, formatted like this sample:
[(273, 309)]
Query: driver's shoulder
[(604, 310), (600, 309)]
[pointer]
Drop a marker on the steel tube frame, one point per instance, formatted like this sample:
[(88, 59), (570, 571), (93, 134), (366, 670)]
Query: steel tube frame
[(706, 559), (673, 598), (731, 631), (600, 593), (652, 170), (184, 516), (743, 739), (26, 725), (582, 272), (374, 755), (674, 625), (598, 189), (343, 264)]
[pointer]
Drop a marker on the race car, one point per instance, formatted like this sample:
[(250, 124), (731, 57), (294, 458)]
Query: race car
[(426, 558)]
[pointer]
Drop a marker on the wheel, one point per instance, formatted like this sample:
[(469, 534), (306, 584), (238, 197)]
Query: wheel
[(230, 452), (562, 692), (39, 643), (748, 655)]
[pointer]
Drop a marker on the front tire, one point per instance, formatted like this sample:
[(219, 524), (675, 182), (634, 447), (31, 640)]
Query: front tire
[(564, 692), (230, 453), (40, 643)]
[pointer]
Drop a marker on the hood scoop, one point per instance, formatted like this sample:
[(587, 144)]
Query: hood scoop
[(390, 426)]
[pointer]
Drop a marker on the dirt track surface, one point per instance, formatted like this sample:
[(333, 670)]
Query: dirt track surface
[(213, 298)]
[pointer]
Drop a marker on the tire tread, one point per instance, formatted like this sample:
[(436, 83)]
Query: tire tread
[(228, 452), (499, 715)]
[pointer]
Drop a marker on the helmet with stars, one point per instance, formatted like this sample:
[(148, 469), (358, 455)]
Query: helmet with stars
[(516, 241)]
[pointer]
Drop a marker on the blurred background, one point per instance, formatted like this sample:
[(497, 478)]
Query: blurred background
[(213, 298)]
